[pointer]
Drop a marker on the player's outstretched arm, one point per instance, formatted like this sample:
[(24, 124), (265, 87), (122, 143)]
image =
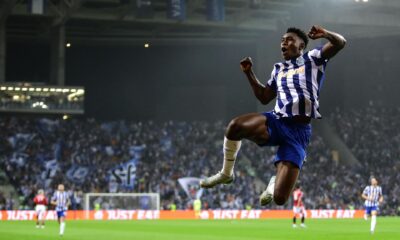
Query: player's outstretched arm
[(263, 93), (335, 44)]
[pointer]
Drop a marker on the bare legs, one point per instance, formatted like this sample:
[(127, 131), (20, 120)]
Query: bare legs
[(253, 127)]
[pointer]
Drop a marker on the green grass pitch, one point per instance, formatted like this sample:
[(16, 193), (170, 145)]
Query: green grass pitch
[(326, 229)]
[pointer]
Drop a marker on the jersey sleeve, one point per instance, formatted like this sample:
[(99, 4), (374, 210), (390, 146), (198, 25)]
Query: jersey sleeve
[(365, 192), (272, 80), (295, 196), (316, 56), (54, 197)]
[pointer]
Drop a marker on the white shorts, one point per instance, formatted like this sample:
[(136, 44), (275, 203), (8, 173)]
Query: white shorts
[(297, 210), (40, 209)]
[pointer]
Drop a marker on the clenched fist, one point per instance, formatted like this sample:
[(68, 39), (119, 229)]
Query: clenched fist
[(246, 64), (316, 32)]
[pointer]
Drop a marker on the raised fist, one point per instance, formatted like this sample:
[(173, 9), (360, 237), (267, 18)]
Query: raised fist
[(246, 64), (316, 32)]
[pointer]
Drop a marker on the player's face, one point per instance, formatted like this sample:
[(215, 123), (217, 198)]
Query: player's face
[(60, 187), (291, 46), (374, 182)]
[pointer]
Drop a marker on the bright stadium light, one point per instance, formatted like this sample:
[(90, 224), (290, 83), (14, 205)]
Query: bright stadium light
[(3, 88), (40, 105), (68, 44), (146, 45), (365, 0)]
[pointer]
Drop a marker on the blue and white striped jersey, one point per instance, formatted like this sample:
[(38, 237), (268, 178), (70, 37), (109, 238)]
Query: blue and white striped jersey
[(372, 192), (62, 199), (297, 83)]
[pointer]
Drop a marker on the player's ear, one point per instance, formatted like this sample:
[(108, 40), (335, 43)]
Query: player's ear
[(302, 46)]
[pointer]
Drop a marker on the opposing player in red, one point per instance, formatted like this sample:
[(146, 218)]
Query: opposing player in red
[(40, 201), (298, 206)]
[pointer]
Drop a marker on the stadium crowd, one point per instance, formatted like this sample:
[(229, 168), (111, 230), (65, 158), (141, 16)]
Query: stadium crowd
[(40, 153), (371, 134)]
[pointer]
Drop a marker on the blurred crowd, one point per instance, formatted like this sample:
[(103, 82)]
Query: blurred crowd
[(86, 154), (373, 136)]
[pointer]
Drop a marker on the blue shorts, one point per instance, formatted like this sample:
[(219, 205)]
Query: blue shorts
[(368, 210), (61, 214), (291, 137)]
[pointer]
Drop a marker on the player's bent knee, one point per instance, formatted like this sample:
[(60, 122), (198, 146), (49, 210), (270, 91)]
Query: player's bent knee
[(235, 127), (279, 199)]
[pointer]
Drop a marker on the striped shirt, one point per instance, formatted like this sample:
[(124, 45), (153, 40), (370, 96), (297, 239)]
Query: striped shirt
[(297, 83), (372, 192), (62, 200)]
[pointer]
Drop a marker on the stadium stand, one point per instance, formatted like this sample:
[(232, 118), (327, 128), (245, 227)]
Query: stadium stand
[(39, 153)]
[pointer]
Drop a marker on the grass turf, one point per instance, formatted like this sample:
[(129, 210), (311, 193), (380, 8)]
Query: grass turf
[(324, 229)]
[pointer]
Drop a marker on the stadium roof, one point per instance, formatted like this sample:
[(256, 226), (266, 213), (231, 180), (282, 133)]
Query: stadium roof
[(120, 20)]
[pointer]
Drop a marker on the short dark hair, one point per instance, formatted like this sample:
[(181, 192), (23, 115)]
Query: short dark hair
[(300, 33)]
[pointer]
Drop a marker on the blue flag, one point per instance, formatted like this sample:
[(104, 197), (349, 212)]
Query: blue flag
[(124, 174), (215, 10), (176, 9)]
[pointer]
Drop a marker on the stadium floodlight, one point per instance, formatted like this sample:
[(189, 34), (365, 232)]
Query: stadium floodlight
[(121, 201)]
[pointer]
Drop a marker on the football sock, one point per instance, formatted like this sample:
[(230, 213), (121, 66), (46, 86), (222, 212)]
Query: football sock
[(302, 219), (62, 227), (294, 220), (373, 223), (231, 149)]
